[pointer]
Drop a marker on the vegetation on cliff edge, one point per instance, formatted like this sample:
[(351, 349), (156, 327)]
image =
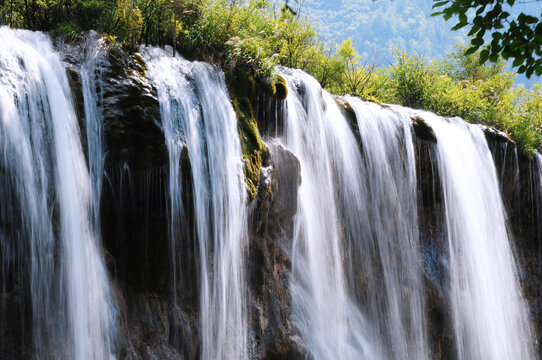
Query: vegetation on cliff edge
[(253, 37)]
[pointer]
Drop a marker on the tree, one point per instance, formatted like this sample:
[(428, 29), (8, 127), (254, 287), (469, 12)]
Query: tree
[(460, 66), (517, 38), (355, 78)]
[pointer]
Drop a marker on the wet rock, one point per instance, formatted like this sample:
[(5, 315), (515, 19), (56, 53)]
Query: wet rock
[(422, 130), (154, 328), (280, 88), (269, 264), (131, 122), (242, 89), (496, 136)]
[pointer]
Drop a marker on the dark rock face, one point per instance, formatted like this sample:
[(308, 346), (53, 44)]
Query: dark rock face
[(434, 245), (269, 261), (132, 115)]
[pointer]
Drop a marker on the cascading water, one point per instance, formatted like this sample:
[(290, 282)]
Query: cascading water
[(92, 86), (180, 115), (329, 321), (197, 113), (538, 194), (489, 314), (384, 231), (362, 206), (43, 161), (357, 290)]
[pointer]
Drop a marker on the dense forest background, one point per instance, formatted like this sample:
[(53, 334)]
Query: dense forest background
[(384, 51), (376, 27)]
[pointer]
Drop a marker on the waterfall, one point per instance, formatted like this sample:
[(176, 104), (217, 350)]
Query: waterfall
[(44, 163), (197, 113), (91, 73), (537, 209), (331, 324), (489, 314), (361, 206), (385, 232), (359, 277)]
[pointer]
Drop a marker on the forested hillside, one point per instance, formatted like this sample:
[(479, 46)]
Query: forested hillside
[(376, 27)]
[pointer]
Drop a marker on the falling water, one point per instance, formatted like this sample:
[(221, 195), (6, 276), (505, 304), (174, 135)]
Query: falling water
[(92, 86), (356, 283), (538, 196), (329, 321), (42, 154), (384, 230), (489, 314), (179, 112), (197, 113)]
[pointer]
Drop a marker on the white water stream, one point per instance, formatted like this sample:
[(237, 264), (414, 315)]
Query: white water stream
[(489, 313), (41, 129), (197, 113)]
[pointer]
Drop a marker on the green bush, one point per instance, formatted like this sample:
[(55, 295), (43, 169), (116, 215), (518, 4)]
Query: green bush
[(253, 36)]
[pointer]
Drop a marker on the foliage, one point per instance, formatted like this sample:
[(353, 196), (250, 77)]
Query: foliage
[(461, 86), (517, 38), (252, 37)]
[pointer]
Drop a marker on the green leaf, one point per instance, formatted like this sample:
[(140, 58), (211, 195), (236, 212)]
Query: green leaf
[(530, 19), (471, 50), (518, 61), (439, 3), (463, 18), (511, 2), (459, 26), (477, 41), (480, 9), (484, 55)]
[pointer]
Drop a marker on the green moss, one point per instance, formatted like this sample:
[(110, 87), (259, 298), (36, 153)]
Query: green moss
[(350, 116), (116, 58), (242, 89), (375, 100), (124, 60), (69, 31), (346, 108), (253, 147), (280, 88), (139, 64)]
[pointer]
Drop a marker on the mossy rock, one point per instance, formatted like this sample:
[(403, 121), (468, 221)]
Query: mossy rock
[(495, 135), (125, 62), (422, 130), (253, 148), (280, 88), (76, 88), (375, 101), (243, 89), (350, 116)]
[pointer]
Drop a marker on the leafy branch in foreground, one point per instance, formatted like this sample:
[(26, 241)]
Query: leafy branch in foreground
[(517, 38)]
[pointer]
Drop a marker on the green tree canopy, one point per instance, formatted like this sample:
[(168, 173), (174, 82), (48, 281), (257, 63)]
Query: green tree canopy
[(497, 32)]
